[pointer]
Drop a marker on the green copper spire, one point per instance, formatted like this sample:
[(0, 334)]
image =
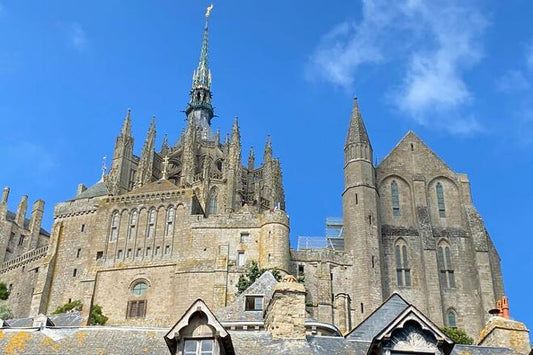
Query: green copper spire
[(201, 82)]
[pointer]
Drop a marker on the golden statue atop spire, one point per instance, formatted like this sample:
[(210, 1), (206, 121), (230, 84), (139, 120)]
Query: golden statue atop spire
[(208, 12)]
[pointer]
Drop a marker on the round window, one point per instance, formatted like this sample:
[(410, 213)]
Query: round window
[(139, 288)]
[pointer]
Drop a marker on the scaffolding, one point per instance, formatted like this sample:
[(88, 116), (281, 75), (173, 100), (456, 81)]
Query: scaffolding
[(332, 239)]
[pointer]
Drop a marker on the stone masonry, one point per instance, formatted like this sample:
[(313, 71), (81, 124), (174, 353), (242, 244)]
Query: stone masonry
[(183, 221)]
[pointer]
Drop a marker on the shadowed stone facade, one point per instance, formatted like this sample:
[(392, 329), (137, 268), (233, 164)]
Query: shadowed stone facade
[(180, 223)]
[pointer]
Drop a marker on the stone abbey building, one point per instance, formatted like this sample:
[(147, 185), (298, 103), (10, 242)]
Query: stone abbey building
[(182, 222)]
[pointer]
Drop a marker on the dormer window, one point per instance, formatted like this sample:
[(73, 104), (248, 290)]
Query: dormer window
[(253, 303)]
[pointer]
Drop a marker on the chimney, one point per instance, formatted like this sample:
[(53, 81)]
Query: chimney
[(21, 211), (5, 195), (285, 314), (35, 223), (81, 188), (500, 331)]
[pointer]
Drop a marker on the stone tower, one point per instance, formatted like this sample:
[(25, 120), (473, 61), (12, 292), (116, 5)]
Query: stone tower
[(361, 220)]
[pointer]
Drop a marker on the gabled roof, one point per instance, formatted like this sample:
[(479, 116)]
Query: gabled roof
[(97, 190), (410, 136), (379, 319), (409, 314), (175, 334), (263, 286)]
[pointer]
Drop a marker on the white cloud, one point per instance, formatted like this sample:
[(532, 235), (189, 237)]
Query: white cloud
[(434, 41), (78, 38), (512, 81), (529, 57)]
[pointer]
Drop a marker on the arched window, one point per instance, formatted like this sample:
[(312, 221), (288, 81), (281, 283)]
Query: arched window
[(403, 272), (395, 198), (151, 222), (115, 220), (447, 276), (139, 288), (451, 319), (440, 200), (170, 221), (212, 202), (132, 230)]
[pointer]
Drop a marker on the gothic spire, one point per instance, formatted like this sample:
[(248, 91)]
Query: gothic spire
[(200, 100), (251, 159), (126, 126), (235, 133), (357, 131), (267, 154)]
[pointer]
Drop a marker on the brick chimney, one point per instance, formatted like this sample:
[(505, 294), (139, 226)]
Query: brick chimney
[(285, 314), (500, 331)]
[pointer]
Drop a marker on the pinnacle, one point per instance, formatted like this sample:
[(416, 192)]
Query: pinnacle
[(126, 126), (357, 131)]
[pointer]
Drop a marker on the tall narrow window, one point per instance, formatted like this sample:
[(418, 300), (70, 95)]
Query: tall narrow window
[(170, 221), (451, 319), (212, 202), (403, 272), (136, 309), (240, 258), (440, 200), (447, 276), (132, 231), (395, 198), (114, 226), (151, 223)]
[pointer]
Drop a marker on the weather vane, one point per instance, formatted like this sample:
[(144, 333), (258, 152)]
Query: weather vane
[(208, 12)]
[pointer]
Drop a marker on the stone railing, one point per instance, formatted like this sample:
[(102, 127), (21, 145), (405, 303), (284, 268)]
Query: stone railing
[(216, 176), (197, 177), (23, 259)]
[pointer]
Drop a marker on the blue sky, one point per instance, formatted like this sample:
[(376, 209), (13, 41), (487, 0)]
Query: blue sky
[(458, 73)]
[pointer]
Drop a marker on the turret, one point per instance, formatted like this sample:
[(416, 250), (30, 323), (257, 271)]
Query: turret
[(35, 223), (233, 167), (5, 196), (121, 177), (361, 231), (21, 211)]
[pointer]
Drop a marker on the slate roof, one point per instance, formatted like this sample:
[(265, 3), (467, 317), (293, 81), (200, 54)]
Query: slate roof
[(379, 319), (10, 216), (67, 319), (97, 190), (264, 285), (20, 322), (479, 350)]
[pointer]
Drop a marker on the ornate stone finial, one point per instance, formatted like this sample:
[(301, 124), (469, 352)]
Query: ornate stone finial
[(208, 11), (104, 168), (289, 278), (165, 168)]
